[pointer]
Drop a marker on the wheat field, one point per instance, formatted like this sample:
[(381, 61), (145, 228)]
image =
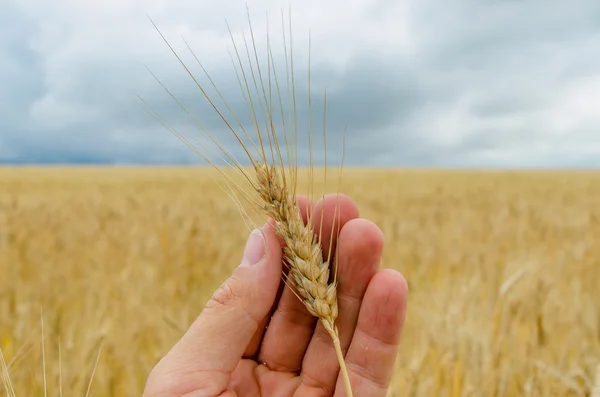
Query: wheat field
[(111, 265)]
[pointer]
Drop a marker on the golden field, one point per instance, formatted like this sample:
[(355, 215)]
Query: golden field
[(503, 270)]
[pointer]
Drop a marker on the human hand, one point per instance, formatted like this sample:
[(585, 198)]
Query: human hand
[(255, 338)]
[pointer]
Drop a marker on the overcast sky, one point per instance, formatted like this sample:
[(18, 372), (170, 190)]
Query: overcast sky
[(456, 83)]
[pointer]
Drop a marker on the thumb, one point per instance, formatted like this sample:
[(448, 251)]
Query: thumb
[(216, 340)]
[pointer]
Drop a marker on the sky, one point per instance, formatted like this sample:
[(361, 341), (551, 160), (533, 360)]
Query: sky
[(411, 83)]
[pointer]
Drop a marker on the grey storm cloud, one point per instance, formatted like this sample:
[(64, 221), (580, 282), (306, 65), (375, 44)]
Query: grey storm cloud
[(471, 83)]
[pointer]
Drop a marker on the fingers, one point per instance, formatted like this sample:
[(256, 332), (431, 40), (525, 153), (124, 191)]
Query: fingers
[(372, 353), (251, 351), (215, 342), (360, 246), (291, 321)]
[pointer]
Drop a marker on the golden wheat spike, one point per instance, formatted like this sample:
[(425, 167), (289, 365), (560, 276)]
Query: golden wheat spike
[(273, 183)]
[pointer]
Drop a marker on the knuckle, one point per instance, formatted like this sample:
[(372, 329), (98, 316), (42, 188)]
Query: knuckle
[(224, 296)]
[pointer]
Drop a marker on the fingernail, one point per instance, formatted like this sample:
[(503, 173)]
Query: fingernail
[(255, 248)]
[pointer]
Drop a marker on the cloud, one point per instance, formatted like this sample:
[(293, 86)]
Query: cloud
[(471, 84)]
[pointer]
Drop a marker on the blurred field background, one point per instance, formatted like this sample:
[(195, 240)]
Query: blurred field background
[(503, 269)]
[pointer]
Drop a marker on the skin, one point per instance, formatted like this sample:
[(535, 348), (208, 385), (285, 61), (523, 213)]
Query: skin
[(255, 338)]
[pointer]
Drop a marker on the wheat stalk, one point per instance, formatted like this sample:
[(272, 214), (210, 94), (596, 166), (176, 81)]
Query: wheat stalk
[(596, 386), (274, 180)]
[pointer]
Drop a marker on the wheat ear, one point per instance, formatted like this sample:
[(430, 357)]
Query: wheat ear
[(309, 273)]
